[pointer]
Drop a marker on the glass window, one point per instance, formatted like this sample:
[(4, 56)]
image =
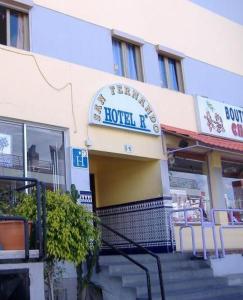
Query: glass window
[(45, 156), (170, 73), (189, 186), (117, 53), (127, 59), (16, 23), (233, 183), (162, 72), (173, 74), (132, 65), (11, 149)]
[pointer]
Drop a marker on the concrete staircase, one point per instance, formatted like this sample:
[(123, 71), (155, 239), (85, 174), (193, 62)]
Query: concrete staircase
[(184, 279)]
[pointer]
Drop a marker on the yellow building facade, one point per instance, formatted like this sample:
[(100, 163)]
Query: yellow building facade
[(126, 170)]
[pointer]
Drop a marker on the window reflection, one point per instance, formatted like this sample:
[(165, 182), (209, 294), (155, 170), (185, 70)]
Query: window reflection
[(11, 149), (117, 53), (45, 156), (173, 74), (132, 66), (233, 185), (162, 72), (189, 187)]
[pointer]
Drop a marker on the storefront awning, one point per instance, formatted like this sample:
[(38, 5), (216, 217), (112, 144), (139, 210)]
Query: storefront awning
[(204, 139)]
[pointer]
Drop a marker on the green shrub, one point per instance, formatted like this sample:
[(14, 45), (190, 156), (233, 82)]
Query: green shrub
[(70, 231)]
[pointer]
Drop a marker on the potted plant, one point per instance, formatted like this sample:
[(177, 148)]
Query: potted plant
[(11, 230), (70, 231)]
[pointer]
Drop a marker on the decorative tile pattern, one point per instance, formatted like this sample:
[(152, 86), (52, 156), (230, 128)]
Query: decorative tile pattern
[(86, 199), (145, 222)]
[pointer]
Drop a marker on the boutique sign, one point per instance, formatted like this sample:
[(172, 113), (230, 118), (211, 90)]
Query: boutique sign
[(220, 119), (123, 107)]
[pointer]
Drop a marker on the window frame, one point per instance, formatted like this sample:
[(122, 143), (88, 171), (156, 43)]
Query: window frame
[(177, 57), (11, 6), (24, 126), (125, 40), (198, 158)]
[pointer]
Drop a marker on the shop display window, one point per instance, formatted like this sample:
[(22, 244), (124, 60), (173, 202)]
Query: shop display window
[(189, 187), (232, 173), (33, 152)]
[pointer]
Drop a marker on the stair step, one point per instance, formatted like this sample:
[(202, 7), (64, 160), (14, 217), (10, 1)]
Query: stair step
[(201, 294), (144, 258), (235, 279), (120, 269), (185, 278), (204, 294), (235, 296), (185, 285), (140, 279)]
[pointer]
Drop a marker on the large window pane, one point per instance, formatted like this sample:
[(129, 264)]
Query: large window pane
[(127, 59), (117, 53), (3, 26), (189, 187), (233, 184), (17, 29), (173, 74), (11, 149), (132, 66), (162, 72), (45, 156)]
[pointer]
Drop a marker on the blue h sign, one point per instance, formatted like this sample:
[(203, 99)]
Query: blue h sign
[(80, 158)]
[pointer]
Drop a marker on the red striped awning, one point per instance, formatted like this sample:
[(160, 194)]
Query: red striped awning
[(205, 139)]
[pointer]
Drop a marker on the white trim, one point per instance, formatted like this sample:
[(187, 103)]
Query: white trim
[(170, 52), (197, 113), (127, 37), (32, 124)]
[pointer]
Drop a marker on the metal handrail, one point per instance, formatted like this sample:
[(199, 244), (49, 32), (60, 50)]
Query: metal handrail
[(186, 224), (231, 225), (162, 291), (136, 263)]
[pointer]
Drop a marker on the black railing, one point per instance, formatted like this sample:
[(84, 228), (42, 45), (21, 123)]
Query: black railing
[(119, 251), (8, 198), (16, 162), (143, 249)]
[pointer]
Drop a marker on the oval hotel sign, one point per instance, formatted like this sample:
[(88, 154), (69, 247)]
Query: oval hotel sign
[(123, 107)]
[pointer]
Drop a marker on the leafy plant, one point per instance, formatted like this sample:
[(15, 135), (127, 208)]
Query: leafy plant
[(7, 202), (70, 231)]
